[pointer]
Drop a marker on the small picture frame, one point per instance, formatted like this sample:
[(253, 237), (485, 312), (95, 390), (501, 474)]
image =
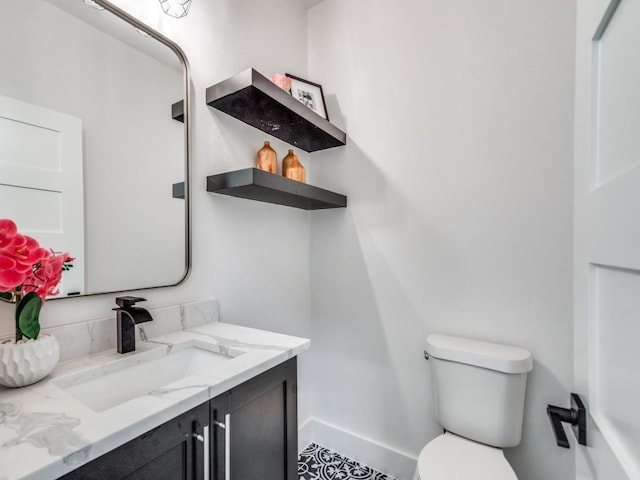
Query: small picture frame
[(310, 94)]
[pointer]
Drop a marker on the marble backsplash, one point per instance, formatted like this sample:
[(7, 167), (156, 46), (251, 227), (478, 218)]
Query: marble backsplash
[(94, 336)]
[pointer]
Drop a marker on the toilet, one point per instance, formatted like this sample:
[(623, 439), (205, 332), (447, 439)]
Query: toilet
[(478, 391)]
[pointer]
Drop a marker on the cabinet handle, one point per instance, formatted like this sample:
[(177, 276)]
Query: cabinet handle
[(206, 451), (204, 439), (226, 426)]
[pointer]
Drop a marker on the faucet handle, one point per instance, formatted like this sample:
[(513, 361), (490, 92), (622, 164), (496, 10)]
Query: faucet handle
[(128, 301)]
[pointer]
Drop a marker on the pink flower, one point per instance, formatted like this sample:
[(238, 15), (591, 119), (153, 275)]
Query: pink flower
[(46, 276), (25, 266), (282, 81), (8, 231), (9, 276), (26, 252), (28, 271)]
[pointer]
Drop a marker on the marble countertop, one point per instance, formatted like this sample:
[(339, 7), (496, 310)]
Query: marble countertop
[(45, 432)]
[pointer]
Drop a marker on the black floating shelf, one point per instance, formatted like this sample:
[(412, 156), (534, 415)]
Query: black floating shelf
[(262, 186), (257, 101), (177, 190), (177, 111)]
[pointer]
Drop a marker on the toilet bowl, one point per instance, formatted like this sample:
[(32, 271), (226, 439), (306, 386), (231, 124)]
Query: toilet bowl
[(478, 391), (450, 457)]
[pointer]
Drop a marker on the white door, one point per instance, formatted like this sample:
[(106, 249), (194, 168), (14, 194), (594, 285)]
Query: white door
[(607, 236), (41, 181)]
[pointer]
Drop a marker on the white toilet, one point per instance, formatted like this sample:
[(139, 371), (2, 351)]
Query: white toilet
[(478, 390)]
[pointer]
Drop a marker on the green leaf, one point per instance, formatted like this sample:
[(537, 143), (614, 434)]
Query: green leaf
[(6, 295), (27, 314)]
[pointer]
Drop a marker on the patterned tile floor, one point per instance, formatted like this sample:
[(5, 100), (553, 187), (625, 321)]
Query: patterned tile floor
[(319, 463)]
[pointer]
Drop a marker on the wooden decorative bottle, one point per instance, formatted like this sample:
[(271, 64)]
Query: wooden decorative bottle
[(267, 159), (292, 168)]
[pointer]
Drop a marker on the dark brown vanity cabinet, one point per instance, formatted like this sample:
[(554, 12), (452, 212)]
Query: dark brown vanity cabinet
[(175, 450), (254, 428), (252, 434)]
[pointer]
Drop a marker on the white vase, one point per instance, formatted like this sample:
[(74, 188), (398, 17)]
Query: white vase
[(28, 362)]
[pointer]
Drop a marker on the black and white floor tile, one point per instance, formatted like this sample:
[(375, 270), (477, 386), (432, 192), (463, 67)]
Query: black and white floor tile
[(319, 463)]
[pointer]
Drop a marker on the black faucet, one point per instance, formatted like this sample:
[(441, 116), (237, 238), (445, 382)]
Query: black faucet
[(126, 318)]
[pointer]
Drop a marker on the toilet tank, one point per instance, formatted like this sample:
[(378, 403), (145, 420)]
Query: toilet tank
[(479, 388)]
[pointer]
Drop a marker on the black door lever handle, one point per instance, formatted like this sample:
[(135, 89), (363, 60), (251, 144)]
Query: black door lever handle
[(557, 416), (576, 416)]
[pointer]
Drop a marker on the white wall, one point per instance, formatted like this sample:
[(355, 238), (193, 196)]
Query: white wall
[(458, 170), (253, 257)]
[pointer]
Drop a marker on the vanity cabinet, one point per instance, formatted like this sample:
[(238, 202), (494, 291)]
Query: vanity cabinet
[(254, 428), (175, 450), (252, 435)]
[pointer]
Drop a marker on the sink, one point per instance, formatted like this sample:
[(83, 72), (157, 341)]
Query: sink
[(139, 375)]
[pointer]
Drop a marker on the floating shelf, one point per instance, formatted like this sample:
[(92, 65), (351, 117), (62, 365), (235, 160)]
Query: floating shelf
[(262, 186), (177, 190), (257, 101), (177, 111)]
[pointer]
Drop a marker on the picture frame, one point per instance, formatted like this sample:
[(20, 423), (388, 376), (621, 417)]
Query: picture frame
[(309, 94)]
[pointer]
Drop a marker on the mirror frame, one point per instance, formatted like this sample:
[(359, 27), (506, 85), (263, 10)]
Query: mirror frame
[(118, 12)]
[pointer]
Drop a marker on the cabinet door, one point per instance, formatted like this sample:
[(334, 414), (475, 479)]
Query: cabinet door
[(170, 451), (254, 428)]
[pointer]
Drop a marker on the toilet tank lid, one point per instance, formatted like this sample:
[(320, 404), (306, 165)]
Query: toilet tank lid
[(494, 356)]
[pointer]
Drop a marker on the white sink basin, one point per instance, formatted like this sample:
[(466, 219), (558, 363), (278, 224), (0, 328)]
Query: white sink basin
[(138, 376)]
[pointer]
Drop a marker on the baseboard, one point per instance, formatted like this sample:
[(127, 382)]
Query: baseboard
[(305, 434), (371, 453)]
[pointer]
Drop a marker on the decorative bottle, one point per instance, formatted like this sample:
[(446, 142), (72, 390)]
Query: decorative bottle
[(292, 168), (267, 159)]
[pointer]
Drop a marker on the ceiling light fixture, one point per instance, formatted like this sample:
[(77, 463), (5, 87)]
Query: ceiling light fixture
[(176, 8)]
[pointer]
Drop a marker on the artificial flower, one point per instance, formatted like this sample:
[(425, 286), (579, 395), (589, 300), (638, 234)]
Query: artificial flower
[(28, 275)]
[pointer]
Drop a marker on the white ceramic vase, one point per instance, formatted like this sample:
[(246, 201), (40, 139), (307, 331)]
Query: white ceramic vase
[(28, 362)]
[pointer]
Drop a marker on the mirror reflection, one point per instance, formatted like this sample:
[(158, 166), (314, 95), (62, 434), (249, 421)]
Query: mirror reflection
[(89, 151)]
